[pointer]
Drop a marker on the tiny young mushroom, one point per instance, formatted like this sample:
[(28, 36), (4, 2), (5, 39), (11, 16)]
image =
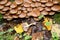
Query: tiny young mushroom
[(35, 12), (28, 1), (18, 2), (47, 8), (1, 6), (55, 1), (3, 1), (22, 15), (8, 3), (26, 4), (13, 5), (40, 8), (49, 4), (43, 5), (55, 8), (51, 13), (5, 9), (13, 11), (44, 12), (44, 1)]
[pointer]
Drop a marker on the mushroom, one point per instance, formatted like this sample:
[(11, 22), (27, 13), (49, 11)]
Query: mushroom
[(36, 19), (19, 7), (19, 12), (15, 16), (49, 4), (40, 8), (1, 6), (55, 8), (5, 9), (5, 17), (22, 15), (44, 1), (13, 11), (13, 5), (44, 12), (23, 8), (26, 4), (3, 1), (18, 2), (32, 4), (35, 13), (51, 13), (28, 1), (55, 1), (43, 5), (37, 4), (8, 3), (29, 9), (47, 8), (2, 12)]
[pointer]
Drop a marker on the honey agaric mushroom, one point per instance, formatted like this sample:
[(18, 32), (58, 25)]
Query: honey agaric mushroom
[(35, 13), (47, 8), (19, 7), (29, 9), (5, 17), (28, 1), (23, 8), (5, 9), (55, 8), (13, 5), (37, 4), (22, 15), (19, 12), (51, 13), (49, 4), (3, 1), (44, 1), (8, 3), (32, 4), (36, 19), (55, 1), (44, 12), (2, 12), (43, 5), (26, 4), (15, 16), (40, 8), (1, 6), (13, 11), (19, 2)]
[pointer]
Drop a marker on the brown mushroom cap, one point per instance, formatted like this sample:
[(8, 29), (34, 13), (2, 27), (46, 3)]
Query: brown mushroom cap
[(29, 9), (1, 6), (55, 1), (40, 8), (32, 4), (13, 5), (44, 12), (3, 1), (22, 15), (47, 8), (49, 4), (15, 16), (43, 5), (8, 3), (28, 1), (19, 12), (55, 8), (37, 4), (36, 19), (51, 13), (44, 1), (19, 1), (13, 11), (5, 9)]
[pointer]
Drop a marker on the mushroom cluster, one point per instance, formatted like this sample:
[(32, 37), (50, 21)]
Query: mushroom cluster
[(25, 8)]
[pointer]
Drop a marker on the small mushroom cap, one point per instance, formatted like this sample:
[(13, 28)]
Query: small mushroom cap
[(36, 19), (22, 15), (43, 5), (13, 11), (49, 4), (44, 1), (28, 1), (40, 8), (55, 8), (5, 9), (32, 4), (37, 4), (13, 5), (44, 12), (1, 6), (3, 1), (19, 2), (19, 12), (55, 1), (15, 16), (29, 9), (8, 3), (51, 13), (47, 8)]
